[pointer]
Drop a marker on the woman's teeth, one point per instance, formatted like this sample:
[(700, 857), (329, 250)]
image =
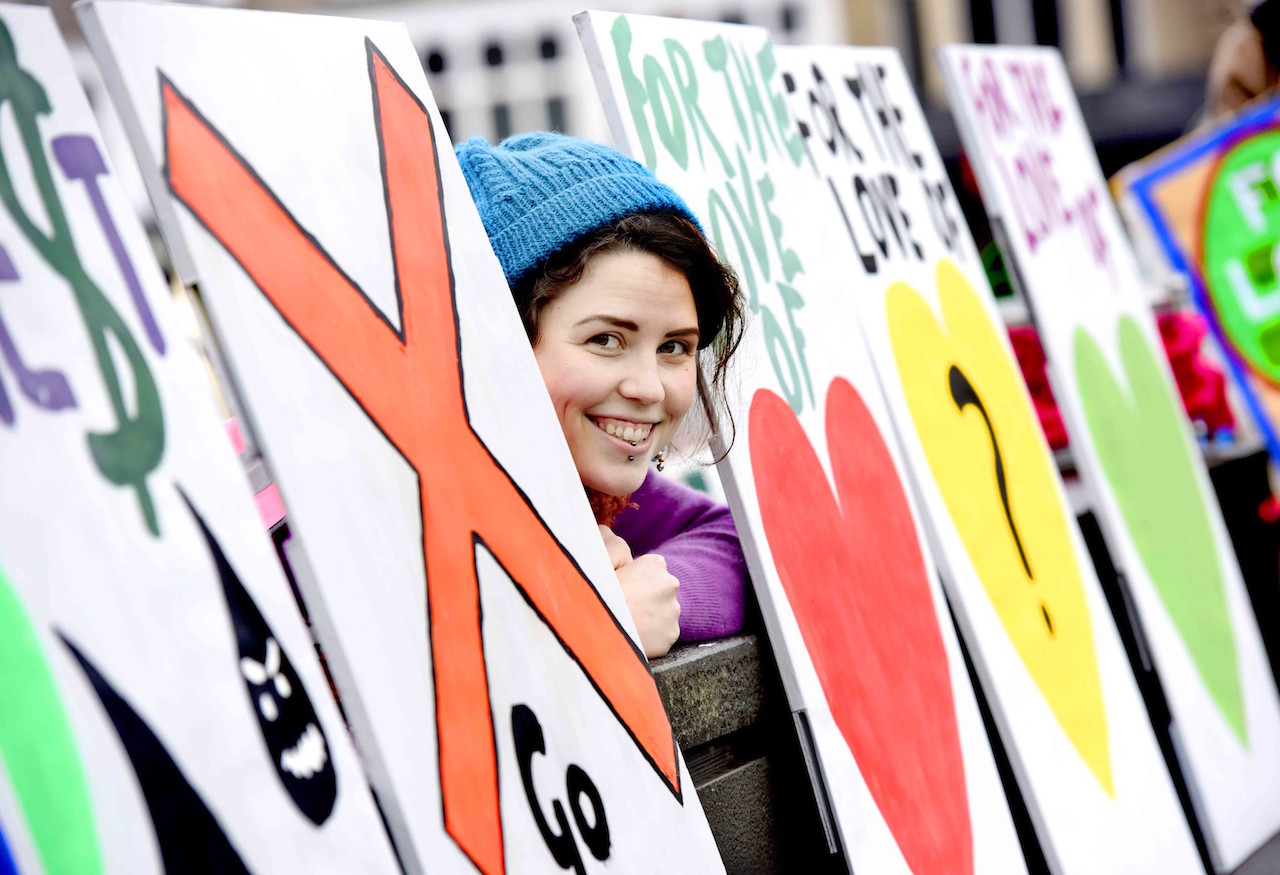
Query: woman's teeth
[(629, 432)]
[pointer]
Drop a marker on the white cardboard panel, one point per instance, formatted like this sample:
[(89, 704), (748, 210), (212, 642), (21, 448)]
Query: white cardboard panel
[(1019, 578), (846, 584), (1134, 447), (208, 678), (307, 103)]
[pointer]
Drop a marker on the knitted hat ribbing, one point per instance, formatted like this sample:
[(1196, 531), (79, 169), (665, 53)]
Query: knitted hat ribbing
[(537, 193)]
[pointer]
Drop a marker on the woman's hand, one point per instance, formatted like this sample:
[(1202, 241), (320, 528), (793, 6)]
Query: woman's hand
[(650, 593)]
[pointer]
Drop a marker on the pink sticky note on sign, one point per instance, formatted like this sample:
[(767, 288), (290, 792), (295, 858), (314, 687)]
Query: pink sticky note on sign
[(270, 507)]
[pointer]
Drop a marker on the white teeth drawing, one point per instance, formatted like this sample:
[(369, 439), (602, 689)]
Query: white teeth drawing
[(306, 757)]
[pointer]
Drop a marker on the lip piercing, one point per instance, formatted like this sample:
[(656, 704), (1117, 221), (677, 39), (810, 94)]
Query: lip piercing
[(634, 444), (631, 458)]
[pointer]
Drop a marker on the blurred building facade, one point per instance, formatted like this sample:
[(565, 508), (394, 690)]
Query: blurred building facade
[(498, 67), (502, 66)]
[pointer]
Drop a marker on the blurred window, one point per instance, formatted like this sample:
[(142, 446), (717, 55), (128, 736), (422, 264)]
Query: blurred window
[(556, 117), (501, 121)]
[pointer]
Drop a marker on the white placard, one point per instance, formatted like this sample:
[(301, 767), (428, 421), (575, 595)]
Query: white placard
[(400, 408), (164, 708), (847, 586), (1022, 585), (1137, 455)]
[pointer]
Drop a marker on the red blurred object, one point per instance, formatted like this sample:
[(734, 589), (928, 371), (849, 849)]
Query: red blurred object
[(1026, 346), (1202, 384)]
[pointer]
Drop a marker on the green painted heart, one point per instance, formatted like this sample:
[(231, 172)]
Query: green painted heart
[(1139, 433)]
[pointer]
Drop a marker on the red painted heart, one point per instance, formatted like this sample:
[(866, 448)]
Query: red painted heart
[(857, 583)]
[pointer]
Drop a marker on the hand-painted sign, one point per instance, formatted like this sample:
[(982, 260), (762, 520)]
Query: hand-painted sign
[(1041, 183), (1019, 579), (137, 585), (1207, 207), (464, 596), (846, 583)]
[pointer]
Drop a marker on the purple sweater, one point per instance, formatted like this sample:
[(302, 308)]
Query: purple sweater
[(696, 536)]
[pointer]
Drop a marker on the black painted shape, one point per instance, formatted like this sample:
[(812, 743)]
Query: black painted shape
[(963, 394), (297, 745), (190, 838), (597, 835), (527, 734)]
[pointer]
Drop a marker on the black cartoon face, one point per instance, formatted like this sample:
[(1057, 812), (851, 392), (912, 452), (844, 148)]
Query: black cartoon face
[(290, 728), (271, 689)]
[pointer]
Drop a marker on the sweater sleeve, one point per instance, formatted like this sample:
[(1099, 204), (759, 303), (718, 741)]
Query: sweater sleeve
[(697, 538)]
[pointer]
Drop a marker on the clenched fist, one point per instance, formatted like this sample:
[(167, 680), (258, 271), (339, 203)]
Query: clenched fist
[(650, 593)]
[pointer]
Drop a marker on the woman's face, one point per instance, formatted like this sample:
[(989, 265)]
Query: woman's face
[(618, 352)]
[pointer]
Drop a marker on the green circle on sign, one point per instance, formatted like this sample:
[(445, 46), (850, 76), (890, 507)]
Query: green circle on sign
[(1241, 255)]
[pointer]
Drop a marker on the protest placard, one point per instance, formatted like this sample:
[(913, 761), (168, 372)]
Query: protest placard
[(476, 629), (164, 707), (1203, 207), (1020, 581), (1130, 438), (846, 583)]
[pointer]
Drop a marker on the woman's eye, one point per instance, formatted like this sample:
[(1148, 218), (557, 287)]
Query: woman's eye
[(676, 347), (605, 341)]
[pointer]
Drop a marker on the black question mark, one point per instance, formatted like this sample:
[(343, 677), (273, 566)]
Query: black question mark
[(963, 393), (527, 732)]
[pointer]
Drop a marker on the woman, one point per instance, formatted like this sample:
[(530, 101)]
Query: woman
[(619, 293)]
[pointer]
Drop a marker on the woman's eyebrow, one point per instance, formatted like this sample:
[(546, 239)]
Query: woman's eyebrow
[(609, 320), (684, 332)]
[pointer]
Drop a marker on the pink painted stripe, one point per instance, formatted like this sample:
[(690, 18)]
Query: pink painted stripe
[(270, 507), (233, 432)]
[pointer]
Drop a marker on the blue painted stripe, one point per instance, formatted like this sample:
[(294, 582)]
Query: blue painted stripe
[(7, 866)]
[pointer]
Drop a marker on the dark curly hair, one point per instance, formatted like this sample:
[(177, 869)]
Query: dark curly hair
[(679, 243)]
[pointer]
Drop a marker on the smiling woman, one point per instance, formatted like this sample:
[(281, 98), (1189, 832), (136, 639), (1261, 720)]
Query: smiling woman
[(621, 297), (617, 350)]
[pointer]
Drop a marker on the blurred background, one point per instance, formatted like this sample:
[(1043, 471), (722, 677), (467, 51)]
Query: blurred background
[(499, 67)]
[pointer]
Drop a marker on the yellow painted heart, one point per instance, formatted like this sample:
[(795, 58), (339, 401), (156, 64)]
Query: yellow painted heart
[(986, 451)]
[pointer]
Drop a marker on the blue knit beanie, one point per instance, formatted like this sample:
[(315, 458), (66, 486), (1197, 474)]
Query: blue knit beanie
[(539, 192)]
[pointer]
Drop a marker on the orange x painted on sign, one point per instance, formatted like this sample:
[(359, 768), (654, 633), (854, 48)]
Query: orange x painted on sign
[(409, 383)]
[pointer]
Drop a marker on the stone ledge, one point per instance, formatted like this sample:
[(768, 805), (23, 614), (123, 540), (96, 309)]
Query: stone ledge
[(711, 690)]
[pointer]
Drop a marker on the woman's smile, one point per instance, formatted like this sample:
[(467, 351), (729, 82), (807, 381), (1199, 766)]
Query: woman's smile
[(633, 433)]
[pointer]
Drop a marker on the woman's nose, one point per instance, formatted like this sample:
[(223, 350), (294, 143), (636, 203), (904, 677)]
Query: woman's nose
[(643, 381)]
